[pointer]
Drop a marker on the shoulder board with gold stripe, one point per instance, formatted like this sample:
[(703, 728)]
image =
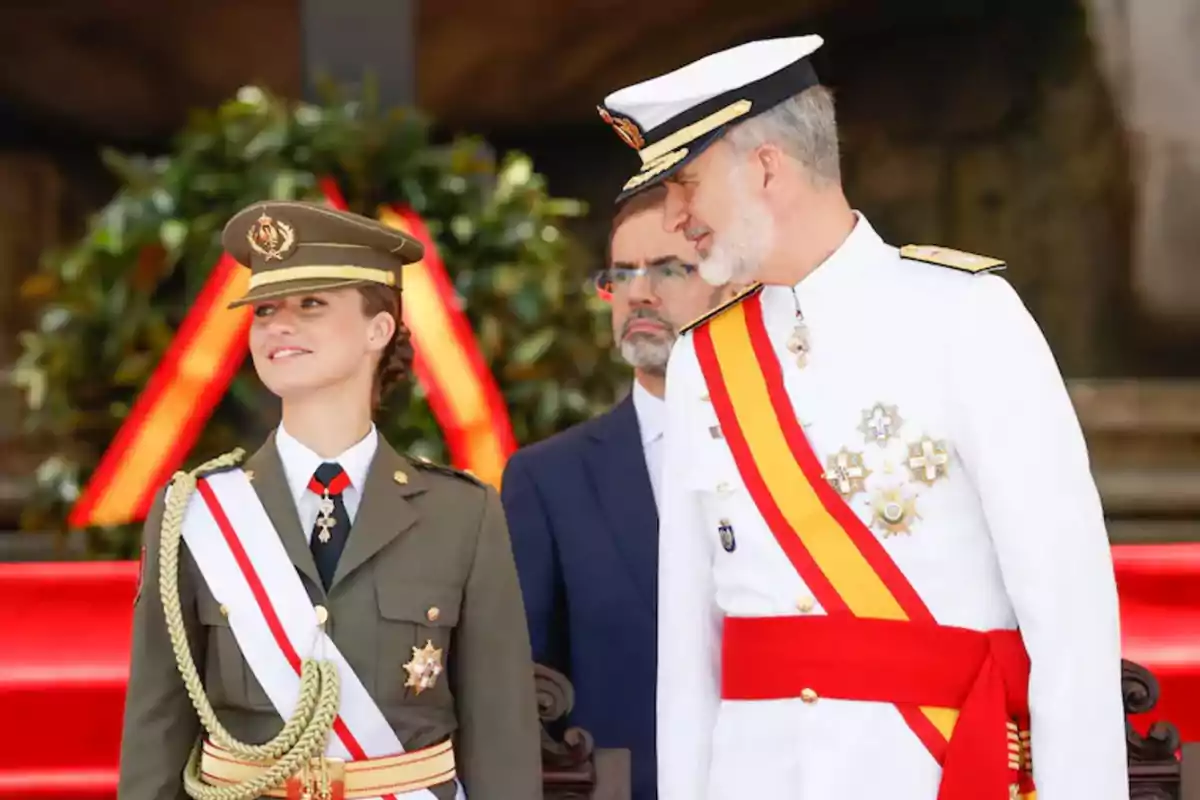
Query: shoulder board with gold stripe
[(954, 259), (749, 291), (420, 462)]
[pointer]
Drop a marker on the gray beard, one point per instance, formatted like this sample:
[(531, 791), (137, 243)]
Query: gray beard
[(647, 354), (737, 255)]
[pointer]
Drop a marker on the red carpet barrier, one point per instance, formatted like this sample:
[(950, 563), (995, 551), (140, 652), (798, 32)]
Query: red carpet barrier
[(1160, 625), (64, 648), (64, 652)]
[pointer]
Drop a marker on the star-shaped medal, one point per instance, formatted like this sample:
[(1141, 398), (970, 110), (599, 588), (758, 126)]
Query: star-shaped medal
[(424, 668), (846, 473), (927, 460), (879, 423), (894, 512)]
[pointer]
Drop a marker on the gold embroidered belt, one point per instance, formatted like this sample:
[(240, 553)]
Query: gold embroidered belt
[(338, 779)]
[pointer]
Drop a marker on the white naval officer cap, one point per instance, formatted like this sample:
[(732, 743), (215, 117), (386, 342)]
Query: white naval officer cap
[(670, 119)]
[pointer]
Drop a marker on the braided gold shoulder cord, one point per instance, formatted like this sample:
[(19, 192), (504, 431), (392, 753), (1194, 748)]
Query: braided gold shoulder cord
[(303, 736)]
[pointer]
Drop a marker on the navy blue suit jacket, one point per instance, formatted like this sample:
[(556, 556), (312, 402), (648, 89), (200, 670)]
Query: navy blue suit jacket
[(584, 531)]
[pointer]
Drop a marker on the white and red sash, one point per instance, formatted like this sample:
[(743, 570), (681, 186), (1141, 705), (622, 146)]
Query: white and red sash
[(249, 572)]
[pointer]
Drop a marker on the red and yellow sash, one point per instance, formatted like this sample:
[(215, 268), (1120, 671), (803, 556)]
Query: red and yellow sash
[(843, 563)]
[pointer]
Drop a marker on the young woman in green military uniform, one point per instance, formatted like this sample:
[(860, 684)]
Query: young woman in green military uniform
[(328, 618)]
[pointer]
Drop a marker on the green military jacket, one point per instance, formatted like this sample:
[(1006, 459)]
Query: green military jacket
[(430, 539)]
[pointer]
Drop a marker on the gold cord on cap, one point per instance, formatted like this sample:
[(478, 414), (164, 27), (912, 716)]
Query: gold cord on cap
[(345, 273)]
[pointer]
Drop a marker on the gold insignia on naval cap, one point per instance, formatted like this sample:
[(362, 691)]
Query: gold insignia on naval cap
[(270, 238), (625, 128)]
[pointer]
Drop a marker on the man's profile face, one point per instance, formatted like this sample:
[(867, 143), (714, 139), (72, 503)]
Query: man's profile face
[(698, 203), (712, 202), (655, 289)]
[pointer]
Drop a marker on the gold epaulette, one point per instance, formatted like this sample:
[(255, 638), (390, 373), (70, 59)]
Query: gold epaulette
[(749, 291), (954, 259), (424, 463)]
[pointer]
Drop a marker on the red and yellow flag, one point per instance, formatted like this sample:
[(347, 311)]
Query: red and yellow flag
[(208, 349), (170, 413), (447, 360), (841, 561)]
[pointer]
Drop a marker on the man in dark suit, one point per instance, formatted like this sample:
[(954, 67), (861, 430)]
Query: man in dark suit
[(581, 505)]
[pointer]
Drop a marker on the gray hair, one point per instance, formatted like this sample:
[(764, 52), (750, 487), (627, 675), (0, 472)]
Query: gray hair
[(803, 126)]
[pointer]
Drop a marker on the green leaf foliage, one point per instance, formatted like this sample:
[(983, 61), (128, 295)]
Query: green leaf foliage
[(109, 305)]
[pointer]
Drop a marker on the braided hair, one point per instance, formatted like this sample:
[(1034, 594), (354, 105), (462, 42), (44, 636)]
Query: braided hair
[(395, 362)]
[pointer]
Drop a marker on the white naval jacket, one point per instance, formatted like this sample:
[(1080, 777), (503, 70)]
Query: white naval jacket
[(1009, 534)]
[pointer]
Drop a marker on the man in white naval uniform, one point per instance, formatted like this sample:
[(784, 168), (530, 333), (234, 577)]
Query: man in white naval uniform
[(884, 571)]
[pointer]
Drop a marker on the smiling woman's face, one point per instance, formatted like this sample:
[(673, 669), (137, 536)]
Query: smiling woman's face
[(308, 342)]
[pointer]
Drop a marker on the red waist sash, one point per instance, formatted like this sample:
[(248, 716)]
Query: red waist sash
[(983, 674)]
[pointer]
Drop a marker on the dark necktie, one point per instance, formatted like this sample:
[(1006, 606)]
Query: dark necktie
[(333, 522)]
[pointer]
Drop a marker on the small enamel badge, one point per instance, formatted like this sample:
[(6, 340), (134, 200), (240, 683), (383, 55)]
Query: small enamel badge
[(725, 531), (424, 668)]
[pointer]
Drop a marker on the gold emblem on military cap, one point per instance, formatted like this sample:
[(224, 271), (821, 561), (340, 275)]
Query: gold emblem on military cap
[(271, 238), (625, 128)]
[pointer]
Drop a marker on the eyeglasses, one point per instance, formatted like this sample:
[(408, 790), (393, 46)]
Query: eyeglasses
[(663, 276)]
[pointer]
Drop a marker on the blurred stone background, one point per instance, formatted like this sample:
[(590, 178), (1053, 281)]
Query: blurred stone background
[(1060, 135)]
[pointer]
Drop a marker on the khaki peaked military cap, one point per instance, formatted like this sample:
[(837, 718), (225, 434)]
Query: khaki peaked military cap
[(294, 247)]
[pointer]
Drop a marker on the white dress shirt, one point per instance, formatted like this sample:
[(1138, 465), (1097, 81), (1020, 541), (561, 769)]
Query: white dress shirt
[(1009, 533), (650, 415), (300, 462)]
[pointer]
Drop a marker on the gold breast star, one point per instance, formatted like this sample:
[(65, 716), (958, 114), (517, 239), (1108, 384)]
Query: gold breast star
[(927, 460), (894, 512), (846, 473), (880, 423), (424, 668)]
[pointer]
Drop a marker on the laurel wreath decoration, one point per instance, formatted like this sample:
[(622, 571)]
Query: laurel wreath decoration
[(110, 304)]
